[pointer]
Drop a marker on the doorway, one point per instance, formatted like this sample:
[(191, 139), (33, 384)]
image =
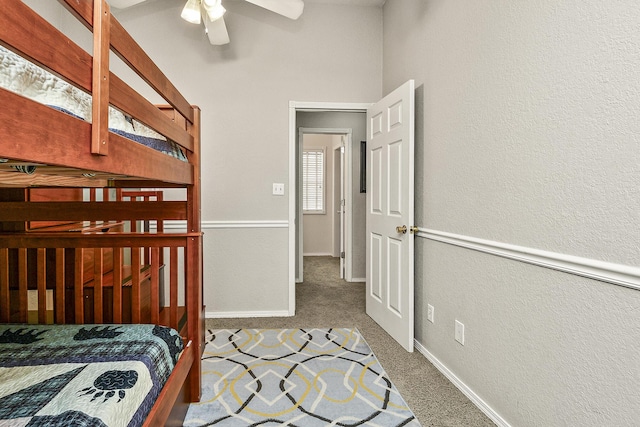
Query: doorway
[(331, 118), (322, 191)]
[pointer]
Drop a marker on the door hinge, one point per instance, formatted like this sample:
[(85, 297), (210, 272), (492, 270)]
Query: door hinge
[(341, 254)]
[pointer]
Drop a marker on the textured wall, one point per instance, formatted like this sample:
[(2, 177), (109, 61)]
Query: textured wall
[(535, 104), (527, 134)]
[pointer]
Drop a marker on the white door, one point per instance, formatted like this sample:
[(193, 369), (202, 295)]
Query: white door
[(390, 204)]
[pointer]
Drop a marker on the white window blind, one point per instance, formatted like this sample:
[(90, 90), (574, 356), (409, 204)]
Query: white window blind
[(313, 180)]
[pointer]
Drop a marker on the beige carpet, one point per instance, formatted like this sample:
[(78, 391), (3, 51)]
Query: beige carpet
[(324, 300)]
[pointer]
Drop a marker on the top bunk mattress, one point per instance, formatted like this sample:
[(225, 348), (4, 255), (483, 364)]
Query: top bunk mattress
[(22, 77)]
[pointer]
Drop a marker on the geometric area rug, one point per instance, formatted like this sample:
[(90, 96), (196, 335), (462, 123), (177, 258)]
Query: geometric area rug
[(295, 377)]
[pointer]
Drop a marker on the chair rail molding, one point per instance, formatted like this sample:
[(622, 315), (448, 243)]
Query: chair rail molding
[(246, 224), (617, 274), (210, 225)]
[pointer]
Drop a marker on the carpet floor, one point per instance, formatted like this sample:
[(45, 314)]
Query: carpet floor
[(297, 378), (324, 300)]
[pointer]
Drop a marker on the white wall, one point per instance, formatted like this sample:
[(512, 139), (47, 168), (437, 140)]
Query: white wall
[(527, 134), (332, 53)]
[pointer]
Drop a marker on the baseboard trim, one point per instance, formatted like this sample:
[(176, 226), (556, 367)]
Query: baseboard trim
[(358, 280), (319, 254), (473, 397), (245, 314), (616, 274)]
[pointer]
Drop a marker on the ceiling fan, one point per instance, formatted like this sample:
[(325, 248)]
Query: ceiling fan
[(211, 14)]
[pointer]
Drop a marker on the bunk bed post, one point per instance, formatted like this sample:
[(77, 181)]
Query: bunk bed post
[(100, 83), (194, 298)]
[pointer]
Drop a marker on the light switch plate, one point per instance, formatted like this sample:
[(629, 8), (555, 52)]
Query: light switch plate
[(278, 189), (430, 313)]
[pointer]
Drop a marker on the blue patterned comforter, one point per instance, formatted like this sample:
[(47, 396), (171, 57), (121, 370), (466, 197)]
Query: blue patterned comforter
[(83, 375)]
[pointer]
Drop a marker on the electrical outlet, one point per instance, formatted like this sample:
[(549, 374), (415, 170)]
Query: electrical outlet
[(459, 332), (430, 313)]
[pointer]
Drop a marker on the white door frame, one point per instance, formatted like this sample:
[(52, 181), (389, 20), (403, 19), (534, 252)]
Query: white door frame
[(348, 199), (294, 107), (341, 222)]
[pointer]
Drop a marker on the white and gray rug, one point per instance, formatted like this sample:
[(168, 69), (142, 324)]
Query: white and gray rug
[(295, 377)]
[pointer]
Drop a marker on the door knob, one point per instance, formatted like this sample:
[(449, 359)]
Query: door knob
[(401, 229), (413, 229)]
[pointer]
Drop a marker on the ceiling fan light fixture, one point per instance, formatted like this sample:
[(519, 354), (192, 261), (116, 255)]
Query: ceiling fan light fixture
[(214, 9), (191, 12)]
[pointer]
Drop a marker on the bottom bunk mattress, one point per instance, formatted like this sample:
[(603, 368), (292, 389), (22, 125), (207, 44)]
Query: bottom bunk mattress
[(83, 375)]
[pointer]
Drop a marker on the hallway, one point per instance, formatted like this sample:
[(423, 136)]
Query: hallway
[(325, 300)]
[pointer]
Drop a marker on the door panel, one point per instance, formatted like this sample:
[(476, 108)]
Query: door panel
[(375, 290), (390, 204), (395, 179), (395, 276)]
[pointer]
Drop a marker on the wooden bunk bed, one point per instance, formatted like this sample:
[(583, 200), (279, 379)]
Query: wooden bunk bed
[(70, 255)]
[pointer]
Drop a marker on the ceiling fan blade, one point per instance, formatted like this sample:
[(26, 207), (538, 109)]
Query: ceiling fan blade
[(292, 9), (123, 4), (216, 31)]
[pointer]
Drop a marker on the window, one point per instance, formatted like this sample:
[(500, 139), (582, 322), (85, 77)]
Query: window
[(313, 180)]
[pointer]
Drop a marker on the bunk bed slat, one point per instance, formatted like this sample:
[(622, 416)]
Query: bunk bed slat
[(117, 285), (59, 294), (136, 305), (98, 278), (22, 285), (155, 285), (5, 307), (42, 285), (80, 240), (74, 179), (82, 211), (78, 288)]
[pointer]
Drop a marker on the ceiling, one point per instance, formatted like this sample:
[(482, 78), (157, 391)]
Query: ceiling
[(351, 2)]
